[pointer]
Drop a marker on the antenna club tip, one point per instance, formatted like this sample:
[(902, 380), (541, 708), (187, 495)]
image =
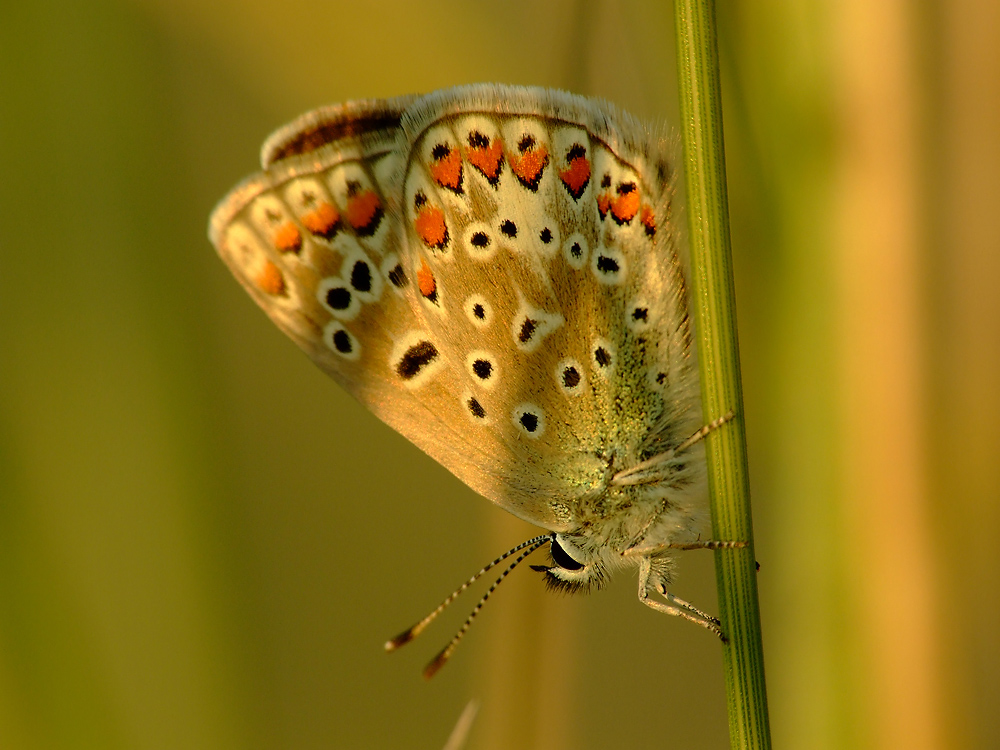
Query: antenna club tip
[(439, 661), (400, 640)]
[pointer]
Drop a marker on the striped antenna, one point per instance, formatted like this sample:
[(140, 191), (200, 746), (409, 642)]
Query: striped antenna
[(410, 633), (439, 661)]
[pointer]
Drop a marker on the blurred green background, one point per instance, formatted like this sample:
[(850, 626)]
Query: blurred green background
[(204, 542)]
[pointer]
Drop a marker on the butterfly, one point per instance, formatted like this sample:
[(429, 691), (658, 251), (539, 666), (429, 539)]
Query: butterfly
[(494, 272)]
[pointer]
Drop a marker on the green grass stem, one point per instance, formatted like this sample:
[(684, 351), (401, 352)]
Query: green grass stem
[(714, 307)]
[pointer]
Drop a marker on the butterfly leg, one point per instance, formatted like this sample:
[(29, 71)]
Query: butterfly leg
[(638, 549), (673, 605), (678, 602)]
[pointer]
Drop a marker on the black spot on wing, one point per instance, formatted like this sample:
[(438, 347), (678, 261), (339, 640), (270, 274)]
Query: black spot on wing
[(415, 359)]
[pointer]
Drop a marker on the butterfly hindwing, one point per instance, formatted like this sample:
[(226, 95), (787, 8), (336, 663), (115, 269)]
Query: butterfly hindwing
[(546, 267)]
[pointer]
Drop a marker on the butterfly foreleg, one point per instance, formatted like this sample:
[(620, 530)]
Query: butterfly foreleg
[(650, 582)]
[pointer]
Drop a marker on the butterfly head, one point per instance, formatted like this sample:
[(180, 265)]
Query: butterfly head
[(573, 568)]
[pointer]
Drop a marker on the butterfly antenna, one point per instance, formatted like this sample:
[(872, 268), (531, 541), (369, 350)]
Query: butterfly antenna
[(638, 474), (439, 661), (410, 633), (713, 425)]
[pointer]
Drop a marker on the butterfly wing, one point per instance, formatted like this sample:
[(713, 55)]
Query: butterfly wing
[(537, 228), (491, 271)]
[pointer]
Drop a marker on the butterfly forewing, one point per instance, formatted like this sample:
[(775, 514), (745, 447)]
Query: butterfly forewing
[(312, 240), (316, 241)]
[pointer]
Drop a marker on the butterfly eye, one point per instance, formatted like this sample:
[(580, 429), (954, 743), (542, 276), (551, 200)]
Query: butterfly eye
[(561, 558)]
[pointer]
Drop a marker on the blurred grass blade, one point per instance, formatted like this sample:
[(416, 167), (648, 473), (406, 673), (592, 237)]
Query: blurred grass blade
[(459, 735)]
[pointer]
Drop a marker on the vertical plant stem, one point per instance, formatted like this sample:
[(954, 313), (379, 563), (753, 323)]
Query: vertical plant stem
[(718, 358)]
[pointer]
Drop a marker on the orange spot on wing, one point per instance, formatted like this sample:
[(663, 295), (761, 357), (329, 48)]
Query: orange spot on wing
[(322, 220), (287, 238), (431, 227), (603, 204), (486, 159), (625, 206), (270, 281), (576, 175), (529, 165), (648, 219), (425, 279), (447, 171), (362, 209)]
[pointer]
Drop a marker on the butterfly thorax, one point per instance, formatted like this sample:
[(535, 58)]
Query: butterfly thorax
[(614, 521)]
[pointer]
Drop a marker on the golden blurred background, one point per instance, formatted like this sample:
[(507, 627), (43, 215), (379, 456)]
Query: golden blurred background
[(204, 542)]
